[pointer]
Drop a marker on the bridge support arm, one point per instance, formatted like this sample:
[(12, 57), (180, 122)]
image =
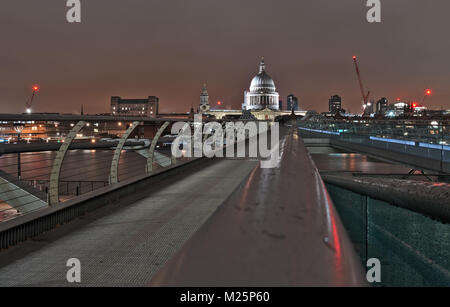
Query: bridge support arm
[(57, 164), (113, 174), (151, 152)]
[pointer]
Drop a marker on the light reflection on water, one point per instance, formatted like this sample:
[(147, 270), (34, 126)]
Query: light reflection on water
[(87, 169), (328, 159)]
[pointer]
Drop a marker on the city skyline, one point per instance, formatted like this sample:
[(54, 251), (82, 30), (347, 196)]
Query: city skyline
[(170, 50), (232, 151)]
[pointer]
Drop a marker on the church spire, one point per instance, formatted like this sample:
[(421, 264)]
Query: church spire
[(204, 89), (204, 100), (262, 66)]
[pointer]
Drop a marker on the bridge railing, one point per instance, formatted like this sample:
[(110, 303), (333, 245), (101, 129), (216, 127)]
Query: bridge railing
[(424, 139), (279, 228), (402, 223), (40, 174)]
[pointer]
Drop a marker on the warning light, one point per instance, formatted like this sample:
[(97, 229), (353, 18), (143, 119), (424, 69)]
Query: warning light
[(428, 92), (414, 105), (219, 102), (35, 88), (354, 57)]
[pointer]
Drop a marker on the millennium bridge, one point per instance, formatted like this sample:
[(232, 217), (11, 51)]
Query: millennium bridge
[(109, 192)]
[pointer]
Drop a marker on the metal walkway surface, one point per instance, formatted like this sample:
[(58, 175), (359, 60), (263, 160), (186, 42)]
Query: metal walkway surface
[(279, 228), (126, 244), (19, 198)]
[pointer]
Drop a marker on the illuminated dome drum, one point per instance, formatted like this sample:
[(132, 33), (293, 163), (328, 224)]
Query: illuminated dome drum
[(262, 92)]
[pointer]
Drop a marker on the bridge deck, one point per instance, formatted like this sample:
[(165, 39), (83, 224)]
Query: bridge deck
[(126, 244)]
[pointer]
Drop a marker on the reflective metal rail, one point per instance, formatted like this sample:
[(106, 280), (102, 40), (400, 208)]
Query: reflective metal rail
[(279, 228), (29, 170), (21, 148), (428, 198), (35, 185)]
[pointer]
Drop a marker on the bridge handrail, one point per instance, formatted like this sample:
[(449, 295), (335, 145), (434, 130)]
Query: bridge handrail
[(279, 227), (428, 198), (39, 147)]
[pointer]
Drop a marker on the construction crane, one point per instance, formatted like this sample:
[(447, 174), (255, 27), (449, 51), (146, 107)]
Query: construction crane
[(29, 103), (364, 96)]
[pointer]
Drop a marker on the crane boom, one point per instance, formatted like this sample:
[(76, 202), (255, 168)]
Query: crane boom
[(29, 103), (364, 96)]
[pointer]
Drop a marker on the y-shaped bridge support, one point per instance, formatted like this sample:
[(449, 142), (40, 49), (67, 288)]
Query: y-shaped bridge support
[(113, 174), (151, 152), (53, 192)]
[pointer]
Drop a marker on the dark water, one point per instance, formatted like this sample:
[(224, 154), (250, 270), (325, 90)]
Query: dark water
[(413, 250), (79, 165), (328, 159), (83, 171)]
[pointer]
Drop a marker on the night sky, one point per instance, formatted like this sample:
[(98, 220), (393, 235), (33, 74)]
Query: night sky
[(169, 48)]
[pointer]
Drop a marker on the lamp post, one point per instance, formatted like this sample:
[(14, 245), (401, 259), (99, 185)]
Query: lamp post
[(19, 128)]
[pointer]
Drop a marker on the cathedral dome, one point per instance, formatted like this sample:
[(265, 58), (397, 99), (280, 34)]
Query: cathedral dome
[(262, 92), (262, 81)]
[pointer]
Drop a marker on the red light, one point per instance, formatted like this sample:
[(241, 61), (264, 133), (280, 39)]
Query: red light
[(35, 88), (414, 105), (428, 92), (219, 103), (354, 57), (398, 99)]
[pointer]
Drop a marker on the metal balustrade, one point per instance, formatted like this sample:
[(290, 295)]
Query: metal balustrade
[(279, 228), (428, 142), (47, 174)]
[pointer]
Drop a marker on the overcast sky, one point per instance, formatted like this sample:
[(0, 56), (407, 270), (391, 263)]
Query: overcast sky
[(169, 48)]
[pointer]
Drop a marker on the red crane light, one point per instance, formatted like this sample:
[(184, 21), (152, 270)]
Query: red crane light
[(428, 93), (414, 105), (29, 103)]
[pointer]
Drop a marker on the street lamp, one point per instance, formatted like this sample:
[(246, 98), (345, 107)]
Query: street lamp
[(18, 128)]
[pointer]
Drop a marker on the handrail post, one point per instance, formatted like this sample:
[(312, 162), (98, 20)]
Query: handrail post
[(53, 197), (151, 151), (181, 131), (113, 174)]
